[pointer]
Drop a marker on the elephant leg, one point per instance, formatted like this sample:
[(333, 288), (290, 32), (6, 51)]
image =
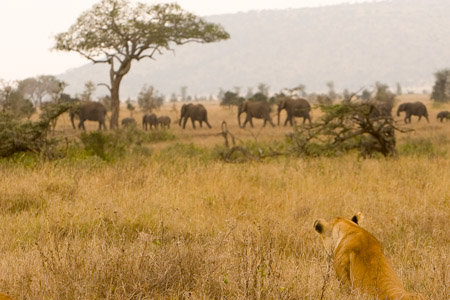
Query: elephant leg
[(81, 125), (286, 121), (420, 117), (270, 121), (426, 117), (207, 123), (201, 124), (250, 119), (193, 123), (184, 122), (245, 122)]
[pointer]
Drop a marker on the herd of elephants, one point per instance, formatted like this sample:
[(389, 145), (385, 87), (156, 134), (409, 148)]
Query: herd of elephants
[(300, 108)]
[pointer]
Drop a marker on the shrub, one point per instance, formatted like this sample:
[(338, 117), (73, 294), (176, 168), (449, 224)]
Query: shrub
[(22, 136), (343, 127)]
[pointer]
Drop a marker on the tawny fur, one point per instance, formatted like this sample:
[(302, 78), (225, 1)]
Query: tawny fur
[(4, 297), (359, 261)]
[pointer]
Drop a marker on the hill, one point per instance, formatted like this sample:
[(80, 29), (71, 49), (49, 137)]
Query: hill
[(354, 45)]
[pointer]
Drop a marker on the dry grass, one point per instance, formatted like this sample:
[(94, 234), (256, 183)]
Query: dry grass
[(163, 227)]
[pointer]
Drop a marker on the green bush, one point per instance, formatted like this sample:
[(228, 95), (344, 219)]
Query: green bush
[(105, 146), (26, 136)]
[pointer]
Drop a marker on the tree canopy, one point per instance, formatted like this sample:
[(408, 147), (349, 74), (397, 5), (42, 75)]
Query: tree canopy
[(117, 32)]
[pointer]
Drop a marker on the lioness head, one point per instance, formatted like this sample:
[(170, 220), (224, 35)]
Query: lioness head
[(331, 231)]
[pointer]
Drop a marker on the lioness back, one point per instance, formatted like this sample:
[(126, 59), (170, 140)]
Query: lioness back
[(358, 259), (4, 297)]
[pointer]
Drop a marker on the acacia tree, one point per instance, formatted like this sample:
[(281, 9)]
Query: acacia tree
[(117, 33)]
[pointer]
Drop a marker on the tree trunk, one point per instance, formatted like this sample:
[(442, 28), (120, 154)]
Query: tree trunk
[(116, 79), (115, 103)]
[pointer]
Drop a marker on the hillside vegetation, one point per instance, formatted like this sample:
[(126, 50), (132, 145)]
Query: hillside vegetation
[(176, 222), (354, 45)]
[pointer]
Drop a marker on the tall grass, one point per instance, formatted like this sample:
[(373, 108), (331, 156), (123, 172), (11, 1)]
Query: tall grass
[(180, 224)]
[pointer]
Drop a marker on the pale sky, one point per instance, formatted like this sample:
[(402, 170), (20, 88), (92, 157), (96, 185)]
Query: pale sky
[(27, 28)]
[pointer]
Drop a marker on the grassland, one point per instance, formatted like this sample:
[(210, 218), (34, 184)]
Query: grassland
[(179, 223)]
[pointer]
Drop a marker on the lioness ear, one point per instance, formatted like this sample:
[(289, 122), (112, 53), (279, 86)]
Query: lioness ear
[(357, 218), (318, 227)]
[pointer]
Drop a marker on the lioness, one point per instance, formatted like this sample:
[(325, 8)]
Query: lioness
[(359, 261)]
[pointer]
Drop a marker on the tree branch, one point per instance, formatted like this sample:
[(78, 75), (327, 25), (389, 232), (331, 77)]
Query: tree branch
[(105, 85)]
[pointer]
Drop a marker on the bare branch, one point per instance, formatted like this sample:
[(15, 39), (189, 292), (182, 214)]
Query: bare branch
[(105, 85)]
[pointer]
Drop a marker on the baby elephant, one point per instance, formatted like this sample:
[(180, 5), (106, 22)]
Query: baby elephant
[(164, 121), (128, 122), (443, 115)]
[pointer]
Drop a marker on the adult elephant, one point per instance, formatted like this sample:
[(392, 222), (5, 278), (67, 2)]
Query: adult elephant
[(413, 109), (259, 110), (294, 108), (90, 111), (443, 115), (196, 112), (149, 121)]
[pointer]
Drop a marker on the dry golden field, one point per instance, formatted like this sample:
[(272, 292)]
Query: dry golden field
[(181, 224)]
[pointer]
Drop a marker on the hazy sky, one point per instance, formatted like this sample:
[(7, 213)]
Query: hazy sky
[(27, 28)]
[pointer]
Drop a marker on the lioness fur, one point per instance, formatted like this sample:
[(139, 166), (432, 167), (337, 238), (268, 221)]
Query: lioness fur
[(359, 261), (4, 297)]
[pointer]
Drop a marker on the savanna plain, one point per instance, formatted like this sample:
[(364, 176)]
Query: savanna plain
[(177, 222)]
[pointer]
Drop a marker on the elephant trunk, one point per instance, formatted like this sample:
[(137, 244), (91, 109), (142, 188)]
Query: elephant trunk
[(182, 113), (239, 117), (278, 116), (72, 116)]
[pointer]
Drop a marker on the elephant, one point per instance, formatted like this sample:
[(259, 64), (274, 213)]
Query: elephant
[(443, 115), (413, 109), (164, 121), (149, 121), (259, 110), (128, 122), (91, 111), (294, 108), (197, 112)]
